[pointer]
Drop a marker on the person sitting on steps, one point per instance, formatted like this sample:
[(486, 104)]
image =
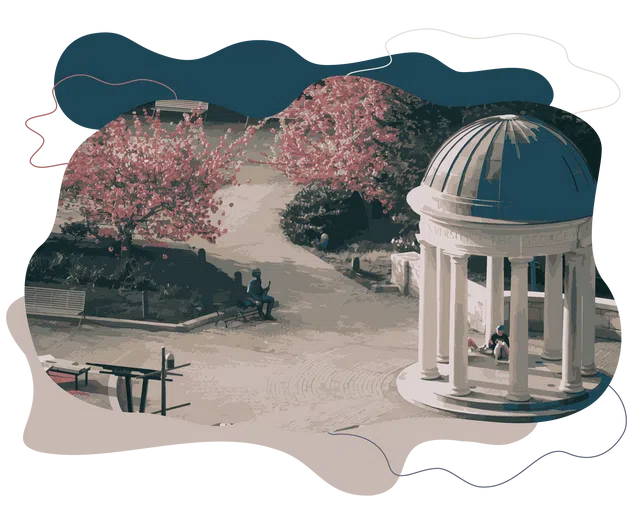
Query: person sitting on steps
[(256, 292), (498, 345)]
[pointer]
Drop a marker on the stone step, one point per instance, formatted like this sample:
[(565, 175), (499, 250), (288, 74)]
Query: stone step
[(385, 288), (473, 413), (498, 403)]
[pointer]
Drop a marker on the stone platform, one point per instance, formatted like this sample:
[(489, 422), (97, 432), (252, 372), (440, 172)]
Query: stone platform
[(489, 382)]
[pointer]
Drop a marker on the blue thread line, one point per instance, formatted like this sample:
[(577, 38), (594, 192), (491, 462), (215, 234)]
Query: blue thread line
[(516, 474), (374, 444)]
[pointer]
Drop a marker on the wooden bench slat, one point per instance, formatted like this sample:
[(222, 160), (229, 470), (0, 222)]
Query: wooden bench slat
[(181, 105), (56, 298), (60, 300), (53, 311), (58, 292), (179, 102), (54, 301), (56, 305)]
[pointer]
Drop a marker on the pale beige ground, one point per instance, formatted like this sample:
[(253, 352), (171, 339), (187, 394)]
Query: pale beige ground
[(329, 362)]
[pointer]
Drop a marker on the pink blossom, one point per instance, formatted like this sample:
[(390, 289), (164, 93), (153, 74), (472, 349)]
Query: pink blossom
[(344, 150), (110, 249), (144, 180), (164, 256)]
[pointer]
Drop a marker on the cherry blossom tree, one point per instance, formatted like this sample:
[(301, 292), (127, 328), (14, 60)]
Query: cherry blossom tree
[(153, 182), (333, 135)]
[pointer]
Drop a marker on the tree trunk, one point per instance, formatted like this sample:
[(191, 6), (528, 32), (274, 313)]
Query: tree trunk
[(127, 243), (126, 250)]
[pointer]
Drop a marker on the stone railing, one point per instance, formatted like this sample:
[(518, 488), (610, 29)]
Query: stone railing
[(406, 271)]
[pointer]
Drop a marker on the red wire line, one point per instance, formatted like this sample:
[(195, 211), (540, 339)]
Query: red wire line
[(31, 127)]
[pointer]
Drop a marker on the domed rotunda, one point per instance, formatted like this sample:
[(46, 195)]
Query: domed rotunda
[(511, 187)]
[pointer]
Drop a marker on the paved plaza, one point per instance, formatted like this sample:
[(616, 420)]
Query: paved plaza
[(304, 380), (330, 361)]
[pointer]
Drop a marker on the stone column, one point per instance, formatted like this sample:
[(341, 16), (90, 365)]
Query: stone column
[(571, 346), (553, 308), (444, 305), (427, 341), (458, 327), (494, 303), (519, 335), (587, 286)]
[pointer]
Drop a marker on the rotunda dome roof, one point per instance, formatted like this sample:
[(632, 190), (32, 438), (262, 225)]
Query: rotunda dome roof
[(511, 168)]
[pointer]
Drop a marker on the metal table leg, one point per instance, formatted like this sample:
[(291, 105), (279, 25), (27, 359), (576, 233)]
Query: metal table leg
[(127, 381), (143, 395)]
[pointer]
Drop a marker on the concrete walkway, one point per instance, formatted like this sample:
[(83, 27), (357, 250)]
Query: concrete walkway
[(329, 362)]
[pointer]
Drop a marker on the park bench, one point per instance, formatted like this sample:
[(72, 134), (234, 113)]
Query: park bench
[(64, 366), (181, 106), (245, 309), (54, 302)]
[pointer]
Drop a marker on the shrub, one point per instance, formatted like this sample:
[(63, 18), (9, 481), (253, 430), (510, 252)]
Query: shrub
[(132, 275), (408, 225), (195, 306), (81, 274), (174, 291), (78, 230), (136, 275), (59, 265), (37, 268), (316, 210)]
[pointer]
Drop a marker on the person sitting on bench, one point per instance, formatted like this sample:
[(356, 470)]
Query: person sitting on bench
[(260, 295), (498, 345)]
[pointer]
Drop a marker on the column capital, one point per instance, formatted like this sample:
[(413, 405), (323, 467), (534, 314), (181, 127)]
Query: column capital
[(520, 260), (423, 241), (456, 256), (574, 257), (584, 251)]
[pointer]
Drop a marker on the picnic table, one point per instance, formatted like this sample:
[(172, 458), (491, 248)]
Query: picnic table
[(51, 364)]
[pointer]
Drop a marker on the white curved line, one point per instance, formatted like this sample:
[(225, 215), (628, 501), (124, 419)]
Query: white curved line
[(568, 56), (373, 69)]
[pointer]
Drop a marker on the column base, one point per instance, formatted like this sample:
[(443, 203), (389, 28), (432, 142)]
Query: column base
[(430, 374), (443, 359), (572, 388), (552, 355), (518, 396), (589, 371), (459, 391)]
